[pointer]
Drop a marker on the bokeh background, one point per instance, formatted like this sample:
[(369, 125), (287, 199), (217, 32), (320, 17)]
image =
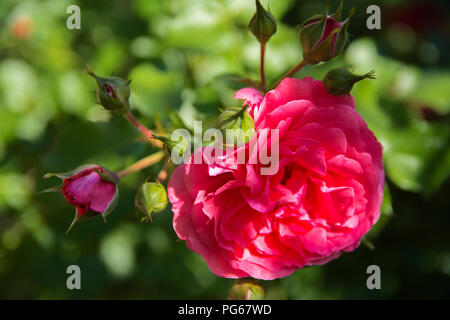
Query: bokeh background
[(178, 53)]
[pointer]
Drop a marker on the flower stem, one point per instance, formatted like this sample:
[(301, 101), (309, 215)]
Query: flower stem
[(143, 129), (290, 72), (142, 164), (261, 67)]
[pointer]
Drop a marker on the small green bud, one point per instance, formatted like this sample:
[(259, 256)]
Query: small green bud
[(323, 37), (112, 93), (151, 197), (340, 81), (246, 290), (263, 25)]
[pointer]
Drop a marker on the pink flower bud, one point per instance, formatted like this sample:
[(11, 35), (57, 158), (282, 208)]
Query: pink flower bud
[(323, 37), (91, 189)]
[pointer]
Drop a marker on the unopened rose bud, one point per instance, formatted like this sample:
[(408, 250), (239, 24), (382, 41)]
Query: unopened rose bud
[(92, 189), (246, 290), (323, 37), (263, 25), (151, 197), (112, 93), (340, 81)]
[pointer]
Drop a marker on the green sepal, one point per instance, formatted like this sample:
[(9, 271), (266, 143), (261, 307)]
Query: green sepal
[(342, 36), (78, 218), (311, 32), (65, 175), (368, 244), (108, 175), (340, 81), (338, 14), (57, 188), (112, 205), (179, 146)]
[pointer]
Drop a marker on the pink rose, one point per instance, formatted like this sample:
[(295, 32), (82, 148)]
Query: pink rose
[(324, 197)]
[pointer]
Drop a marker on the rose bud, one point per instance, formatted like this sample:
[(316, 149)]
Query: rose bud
[(246, 290), (112, 93), (263, 25), (151, 197), (340, 81), (92, 189), (323, 37)]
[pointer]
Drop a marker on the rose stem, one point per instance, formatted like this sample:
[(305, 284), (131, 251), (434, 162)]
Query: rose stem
[(141, 164), (291, 72), (145, 131), (261, 67)]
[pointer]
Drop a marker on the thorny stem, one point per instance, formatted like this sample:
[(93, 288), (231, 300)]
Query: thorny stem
[(145, 131), (141, 164), (290, 72)]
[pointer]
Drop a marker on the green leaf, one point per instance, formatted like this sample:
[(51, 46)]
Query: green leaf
[(236, 124)]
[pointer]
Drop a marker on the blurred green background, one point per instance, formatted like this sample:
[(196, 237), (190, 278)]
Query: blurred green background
[(177, 52)]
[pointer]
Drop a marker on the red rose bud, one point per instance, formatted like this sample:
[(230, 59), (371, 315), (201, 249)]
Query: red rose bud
[(246, 290), (263, 25), (340, 81), (323, 37), (92, 189), (151, 197), (112, 93)]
